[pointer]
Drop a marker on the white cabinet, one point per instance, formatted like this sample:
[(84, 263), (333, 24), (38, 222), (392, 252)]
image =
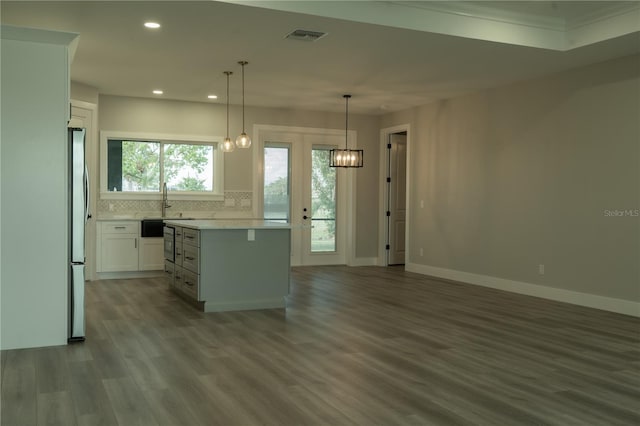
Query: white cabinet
[(151, 254), (121, 249), (118, 246)]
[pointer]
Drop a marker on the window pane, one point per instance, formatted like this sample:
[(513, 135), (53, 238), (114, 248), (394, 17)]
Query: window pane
[(188, 167), (276, 183), (133, 166), (323, 202)]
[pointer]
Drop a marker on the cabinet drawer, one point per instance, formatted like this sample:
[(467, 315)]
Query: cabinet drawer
[(178, 278), (120, 228), (191, 284), (179, 232), (179, 254), (191, 258), (169, 272), (191, 236)]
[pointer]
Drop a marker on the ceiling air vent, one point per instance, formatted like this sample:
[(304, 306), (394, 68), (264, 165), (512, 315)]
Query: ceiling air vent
[(305, 35)]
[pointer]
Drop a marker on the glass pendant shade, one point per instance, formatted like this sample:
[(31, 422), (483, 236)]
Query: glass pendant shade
[(243, 141), (346, 158), (228, 145)]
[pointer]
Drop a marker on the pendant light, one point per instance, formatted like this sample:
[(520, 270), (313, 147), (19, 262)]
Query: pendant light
[(227, 143), (346, 157), (243, 141)]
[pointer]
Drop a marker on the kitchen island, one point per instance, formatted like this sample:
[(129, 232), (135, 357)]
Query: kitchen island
[(229, 265)]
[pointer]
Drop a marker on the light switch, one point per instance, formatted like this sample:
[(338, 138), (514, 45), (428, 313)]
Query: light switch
[(251, 234)]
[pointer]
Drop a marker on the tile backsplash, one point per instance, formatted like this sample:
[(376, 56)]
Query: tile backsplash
[(235, 203)]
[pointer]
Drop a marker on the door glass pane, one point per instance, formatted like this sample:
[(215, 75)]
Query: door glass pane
[(276, 183), (323, 202)]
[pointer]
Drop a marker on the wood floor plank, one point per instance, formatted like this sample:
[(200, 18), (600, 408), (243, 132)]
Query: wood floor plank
[(129, 404), (355, 346), (56, 409), (91, 403), (19, 395)]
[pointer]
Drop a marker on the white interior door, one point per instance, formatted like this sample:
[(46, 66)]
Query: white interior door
[(397, 198), (301, 188)]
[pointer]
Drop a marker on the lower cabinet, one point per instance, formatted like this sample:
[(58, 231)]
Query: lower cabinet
[(231, 269), (183, 274), (117, 246), (121, 249), (151, 254)]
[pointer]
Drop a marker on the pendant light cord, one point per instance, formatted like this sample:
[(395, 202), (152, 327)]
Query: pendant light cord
[(346, 124), (243, 98), (228, 73), (243, 63)]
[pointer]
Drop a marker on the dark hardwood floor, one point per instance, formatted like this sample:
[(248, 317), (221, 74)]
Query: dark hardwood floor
[(358, 346)]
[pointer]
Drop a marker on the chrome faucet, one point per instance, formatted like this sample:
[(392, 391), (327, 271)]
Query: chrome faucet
[(165, 201)]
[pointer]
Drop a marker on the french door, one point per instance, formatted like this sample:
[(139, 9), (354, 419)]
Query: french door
[(299, 187)]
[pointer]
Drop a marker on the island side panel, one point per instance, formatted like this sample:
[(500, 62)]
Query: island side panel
[(238, 274)]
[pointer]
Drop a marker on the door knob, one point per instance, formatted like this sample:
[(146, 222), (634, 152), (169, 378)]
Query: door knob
[(304, 210), (305, 217)]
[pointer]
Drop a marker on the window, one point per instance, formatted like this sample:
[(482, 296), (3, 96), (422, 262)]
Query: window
[(136, 166)]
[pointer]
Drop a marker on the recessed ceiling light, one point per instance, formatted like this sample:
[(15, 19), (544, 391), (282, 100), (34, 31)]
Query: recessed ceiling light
[(152, 25), (158, 92), (212, 97)]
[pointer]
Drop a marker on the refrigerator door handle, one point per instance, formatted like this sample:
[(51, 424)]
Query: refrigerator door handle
[(87, 193)]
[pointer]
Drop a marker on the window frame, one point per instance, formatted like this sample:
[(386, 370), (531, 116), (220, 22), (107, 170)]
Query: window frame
[(217, 194)]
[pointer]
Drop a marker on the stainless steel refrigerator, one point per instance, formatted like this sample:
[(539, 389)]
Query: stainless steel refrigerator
[(78, 216)]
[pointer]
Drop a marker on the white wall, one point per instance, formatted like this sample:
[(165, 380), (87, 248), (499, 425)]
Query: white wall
[(34, 255), (523, 175), (175, 117)]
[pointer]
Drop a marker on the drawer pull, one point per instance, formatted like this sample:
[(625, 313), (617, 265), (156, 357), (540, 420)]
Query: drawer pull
[(189, 258), (169, 272), (120, 227), (189, 283), (178, 254), (189, 237)]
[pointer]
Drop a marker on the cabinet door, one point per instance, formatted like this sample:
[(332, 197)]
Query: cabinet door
[(169, 271), (119, 252), (151, 256)]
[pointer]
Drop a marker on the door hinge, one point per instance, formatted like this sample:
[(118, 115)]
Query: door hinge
[(388, 213), (388, 180), (387, 247)]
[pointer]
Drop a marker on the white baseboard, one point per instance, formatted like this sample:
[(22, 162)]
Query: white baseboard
[(364, 261), (620, 306)]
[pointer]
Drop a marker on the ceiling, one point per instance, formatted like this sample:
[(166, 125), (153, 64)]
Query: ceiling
[(390, 55)]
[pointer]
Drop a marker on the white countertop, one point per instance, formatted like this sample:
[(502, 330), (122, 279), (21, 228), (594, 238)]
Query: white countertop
[(205, 224)]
